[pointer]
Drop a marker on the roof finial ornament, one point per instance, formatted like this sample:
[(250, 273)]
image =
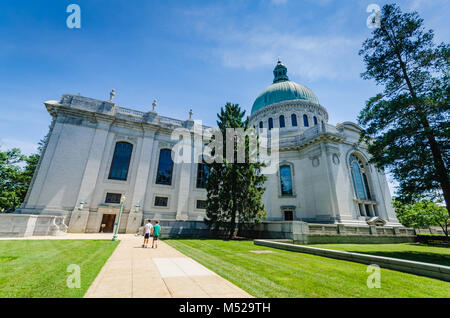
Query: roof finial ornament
[(154, 106), (111, 95), (190, 114)]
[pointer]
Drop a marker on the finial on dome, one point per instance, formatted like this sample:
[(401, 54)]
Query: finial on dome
[(280, 72), (154, 105)]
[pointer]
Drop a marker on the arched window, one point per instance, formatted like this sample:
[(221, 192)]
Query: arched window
[(270, 123), (286, 180), (121, 161), (315, 120), (294, 120), (305, 121), (261, 124), (282, 123), (202, 175), (165, 167), (359, 178)]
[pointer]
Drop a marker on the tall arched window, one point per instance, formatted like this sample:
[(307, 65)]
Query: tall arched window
[(315, 120), (261, 124), (286, 180), (359, 178), (121, 161), (165, 167), (294, 120), (202, 175), (270, 123), (282, 123), (305, 121)]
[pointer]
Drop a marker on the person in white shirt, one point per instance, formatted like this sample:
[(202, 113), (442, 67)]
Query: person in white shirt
[(148, 228)]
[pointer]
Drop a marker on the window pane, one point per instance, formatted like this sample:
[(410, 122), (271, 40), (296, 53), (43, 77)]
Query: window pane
[(286, 180), (270, 123), (305, 121), (201, 204), (202, 175), (289, 215), (165, 167), (113, 197), (161, 201), (282, 123), (294, 120), (315, 121), (366, 185), (261, 125), (121, 161), (357, 178)]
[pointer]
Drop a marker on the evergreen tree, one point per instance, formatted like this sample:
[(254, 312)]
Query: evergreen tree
[(407, 126), (234, 189)]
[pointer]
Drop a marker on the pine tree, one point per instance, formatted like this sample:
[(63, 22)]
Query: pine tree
[(234, 189), (407, 126)]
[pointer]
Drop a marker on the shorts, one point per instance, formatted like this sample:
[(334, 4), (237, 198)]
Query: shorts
[(155, 237), (147, 235)]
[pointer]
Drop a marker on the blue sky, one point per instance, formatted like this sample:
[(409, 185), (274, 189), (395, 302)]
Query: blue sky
[(186, 54)]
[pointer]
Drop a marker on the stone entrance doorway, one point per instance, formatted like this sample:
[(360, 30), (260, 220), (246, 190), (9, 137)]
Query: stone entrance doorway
[(108, 221)]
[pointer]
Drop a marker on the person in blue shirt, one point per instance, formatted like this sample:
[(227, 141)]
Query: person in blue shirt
[(156, 231)]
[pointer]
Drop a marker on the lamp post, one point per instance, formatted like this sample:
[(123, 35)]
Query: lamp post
[(116, 224)]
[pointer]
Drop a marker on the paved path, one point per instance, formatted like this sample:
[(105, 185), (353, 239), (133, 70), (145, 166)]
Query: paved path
[(133, 271)]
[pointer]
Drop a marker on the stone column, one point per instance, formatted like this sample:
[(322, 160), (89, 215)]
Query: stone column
[(140, 185), (184, 183), (79, 218)]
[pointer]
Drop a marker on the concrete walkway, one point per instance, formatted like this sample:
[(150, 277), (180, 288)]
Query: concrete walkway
[(133, 271)]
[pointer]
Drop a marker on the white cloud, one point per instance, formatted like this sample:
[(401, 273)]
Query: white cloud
[(312, 57), (26, 147), (251, 44)]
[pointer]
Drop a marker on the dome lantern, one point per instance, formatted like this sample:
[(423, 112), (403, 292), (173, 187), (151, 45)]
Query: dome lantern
[(282, 89), (280, 73)]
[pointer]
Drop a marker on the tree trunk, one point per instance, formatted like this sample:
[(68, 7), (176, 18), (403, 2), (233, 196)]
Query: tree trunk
[(438, 162)]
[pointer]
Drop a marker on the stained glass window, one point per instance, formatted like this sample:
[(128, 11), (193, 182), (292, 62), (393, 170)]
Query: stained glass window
[(121, 161), (294, 120), (165, 167), (202, 175), (282, 123), (286, 180), (359, 178), (305, 121)]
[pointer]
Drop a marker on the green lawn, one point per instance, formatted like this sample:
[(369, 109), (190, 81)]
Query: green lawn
[(38, 268), (290, 274), (409, 251)]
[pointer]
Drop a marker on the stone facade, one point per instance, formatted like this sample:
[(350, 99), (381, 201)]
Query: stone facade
[(73, 178)]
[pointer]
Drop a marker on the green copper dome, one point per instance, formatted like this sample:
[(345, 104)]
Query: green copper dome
[(283, 89)]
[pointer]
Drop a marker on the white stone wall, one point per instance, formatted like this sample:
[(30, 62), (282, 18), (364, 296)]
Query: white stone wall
[(76, 164)]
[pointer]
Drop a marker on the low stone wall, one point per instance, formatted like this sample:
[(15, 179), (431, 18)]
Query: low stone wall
[(194, 229), (418, 268), (306, 233), (23, 225)]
